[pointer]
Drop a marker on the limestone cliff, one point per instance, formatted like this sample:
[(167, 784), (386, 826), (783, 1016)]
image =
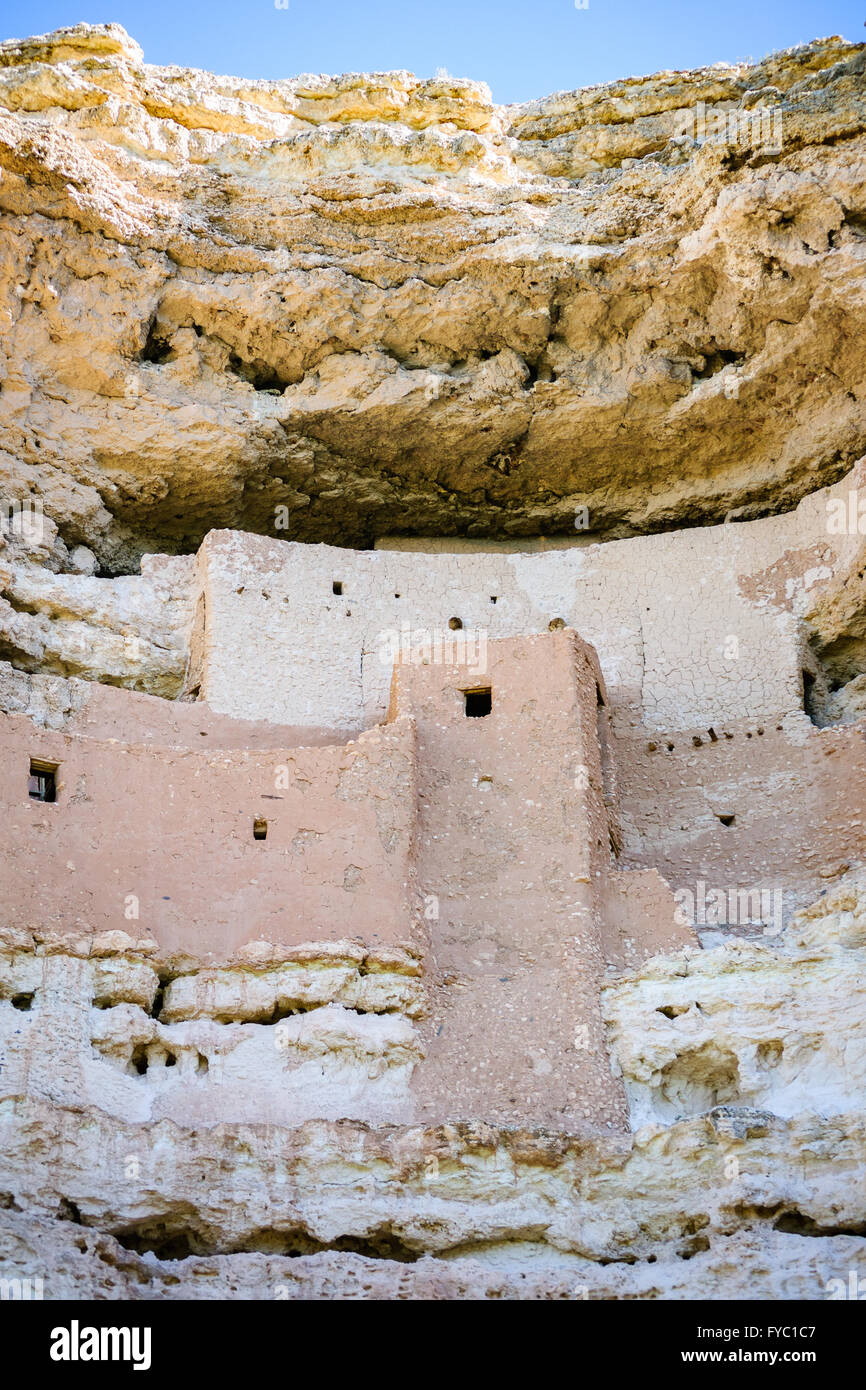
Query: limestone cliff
[(259, 884), (395, 307)]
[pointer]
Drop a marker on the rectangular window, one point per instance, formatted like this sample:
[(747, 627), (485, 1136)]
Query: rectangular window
[(478, 703), (42, 782)]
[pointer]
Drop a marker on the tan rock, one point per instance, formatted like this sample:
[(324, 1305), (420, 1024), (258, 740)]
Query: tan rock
[(448, 317)]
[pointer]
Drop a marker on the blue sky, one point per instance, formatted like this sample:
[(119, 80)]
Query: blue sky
[(521, 49)]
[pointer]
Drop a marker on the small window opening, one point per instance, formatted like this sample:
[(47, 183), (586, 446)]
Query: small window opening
[(809, 694), (22, 1001), (555, 624), (727, 820), (493, 598), (477, 703), (337, 586), (42, 783), (260, 830), (455, 624)]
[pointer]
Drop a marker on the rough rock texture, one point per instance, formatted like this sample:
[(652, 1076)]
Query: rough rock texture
[(393, 306), (763, 1193), (758, 1261), (365, 310), (749, 1022), (523, 1205)]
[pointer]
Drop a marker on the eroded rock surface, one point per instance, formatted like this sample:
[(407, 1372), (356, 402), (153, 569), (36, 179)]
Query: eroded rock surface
[(395, 307), (362, 310)]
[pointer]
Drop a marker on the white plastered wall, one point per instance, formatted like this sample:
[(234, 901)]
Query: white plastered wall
[(682, 637)]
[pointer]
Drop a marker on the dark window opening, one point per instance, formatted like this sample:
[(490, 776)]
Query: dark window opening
[(809, 694), (42, 783), (727, 820), (608, 779), (455, 624), (556, 624), (260, 830), (477, 703), (337, 586), (22, 1001)]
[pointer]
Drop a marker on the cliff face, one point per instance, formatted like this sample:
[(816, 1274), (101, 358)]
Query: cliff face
[(395, 307), (746, 1185), (269, 899)]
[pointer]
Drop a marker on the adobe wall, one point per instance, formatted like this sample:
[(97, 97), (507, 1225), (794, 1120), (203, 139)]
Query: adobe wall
[(440, 878), (691, 627), (793, 795), (174, 828), (514, 854), (109, 712)]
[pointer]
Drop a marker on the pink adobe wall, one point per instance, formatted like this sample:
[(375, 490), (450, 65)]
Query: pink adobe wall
[(797, 794), (110, 712), (175, 828), (513, 847)]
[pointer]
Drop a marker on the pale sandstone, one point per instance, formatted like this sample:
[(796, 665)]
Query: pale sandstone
[(445, 316), (749, 1023), (310, 985), (752, 1263)]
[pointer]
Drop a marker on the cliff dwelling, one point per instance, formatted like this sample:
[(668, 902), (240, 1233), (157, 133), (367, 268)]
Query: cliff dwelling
[(432, 683)]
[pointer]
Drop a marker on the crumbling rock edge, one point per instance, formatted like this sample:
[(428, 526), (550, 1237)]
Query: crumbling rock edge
[(449, 1212), (448, 317)]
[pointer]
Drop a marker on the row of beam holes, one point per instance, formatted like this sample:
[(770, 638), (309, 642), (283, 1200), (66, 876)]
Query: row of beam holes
[(454, 623), (698, 742)]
